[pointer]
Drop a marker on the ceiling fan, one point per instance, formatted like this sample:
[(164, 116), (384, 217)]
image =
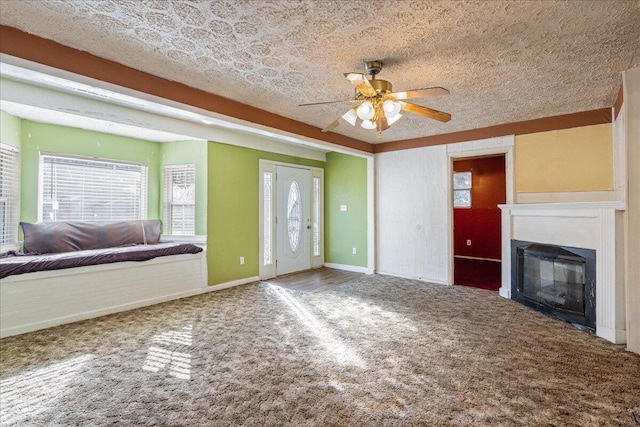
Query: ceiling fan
[(377, 106)]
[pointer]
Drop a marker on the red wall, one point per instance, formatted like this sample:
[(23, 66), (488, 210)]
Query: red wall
[(481, 222)]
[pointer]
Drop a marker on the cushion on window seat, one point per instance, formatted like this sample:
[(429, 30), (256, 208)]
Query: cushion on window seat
[(26, 263), (68, 236)]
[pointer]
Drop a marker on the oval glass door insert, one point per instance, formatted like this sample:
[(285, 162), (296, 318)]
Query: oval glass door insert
[(294, 216)]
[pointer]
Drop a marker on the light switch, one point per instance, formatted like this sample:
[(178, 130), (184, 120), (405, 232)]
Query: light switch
[(343, 208)]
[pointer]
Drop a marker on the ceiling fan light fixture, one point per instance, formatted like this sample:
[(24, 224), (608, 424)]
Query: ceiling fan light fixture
[(366, 111), (351, 116), (368, 124), (391, 108)]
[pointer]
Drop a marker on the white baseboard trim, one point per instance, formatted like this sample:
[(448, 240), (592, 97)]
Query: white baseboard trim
[(505, 293), (616, 336), (420, 279), (230, 284), (346, 267)]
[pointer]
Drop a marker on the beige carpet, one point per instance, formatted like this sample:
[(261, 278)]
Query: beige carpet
[(375, 351)]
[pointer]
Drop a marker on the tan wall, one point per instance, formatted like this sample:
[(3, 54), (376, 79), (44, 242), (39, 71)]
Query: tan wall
[(569, 160)]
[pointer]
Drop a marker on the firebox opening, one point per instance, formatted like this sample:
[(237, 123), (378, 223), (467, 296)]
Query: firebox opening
[(555, 280)]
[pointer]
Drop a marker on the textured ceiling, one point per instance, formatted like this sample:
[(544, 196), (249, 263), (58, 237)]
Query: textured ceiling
[(503, 61)]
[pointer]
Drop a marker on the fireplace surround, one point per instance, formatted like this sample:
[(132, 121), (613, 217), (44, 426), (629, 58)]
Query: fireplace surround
[(556, 280), (597, 226)]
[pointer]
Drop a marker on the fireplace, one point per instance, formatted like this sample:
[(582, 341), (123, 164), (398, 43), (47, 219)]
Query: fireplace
[(556, 280), (596, 226)]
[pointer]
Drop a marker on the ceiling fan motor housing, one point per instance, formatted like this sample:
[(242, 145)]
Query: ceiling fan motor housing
[(381, 86), (372, 67)]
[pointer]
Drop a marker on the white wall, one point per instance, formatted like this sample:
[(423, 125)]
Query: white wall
[(413, 214), (413, 204), (631, 109)]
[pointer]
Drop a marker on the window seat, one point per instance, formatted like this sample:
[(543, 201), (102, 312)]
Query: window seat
[(126, 277)]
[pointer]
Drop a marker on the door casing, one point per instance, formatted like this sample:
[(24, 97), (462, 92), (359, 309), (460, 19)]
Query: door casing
[(268, 269)]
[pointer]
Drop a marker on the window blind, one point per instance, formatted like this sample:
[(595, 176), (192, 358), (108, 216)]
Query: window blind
[(9, 195), (179, 194), (82, 189)]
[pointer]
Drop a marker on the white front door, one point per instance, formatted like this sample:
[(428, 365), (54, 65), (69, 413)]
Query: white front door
[(293, 219)]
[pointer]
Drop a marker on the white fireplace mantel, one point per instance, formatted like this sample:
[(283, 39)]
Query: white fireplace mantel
[(589, 225)]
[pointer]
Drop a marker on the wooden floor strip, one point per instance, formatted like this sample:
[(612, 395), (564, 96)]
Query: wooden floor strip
[(317, 280)]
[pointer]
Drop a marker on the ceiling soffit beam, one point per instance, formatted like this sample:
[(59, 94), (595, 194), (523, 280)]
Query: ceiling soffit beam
[(17, 43), (565, 121), (26, 46), (617, 106)]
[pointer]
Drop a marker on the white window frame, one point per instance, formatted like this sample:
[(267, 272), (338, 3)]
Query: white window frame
[(144, 193), (167, 198), (11, 198), (465, 189)]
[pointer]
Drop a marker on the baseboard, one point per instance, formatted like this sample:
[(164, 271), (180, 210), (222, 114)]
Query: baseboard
[(505, 293), (420, 279), (616, 336), (230, 284), (346, 267)]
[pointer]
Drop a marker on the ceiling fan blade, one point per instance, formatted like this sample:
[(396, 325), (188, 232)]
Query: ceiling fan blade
[(327, 102), (381, 124), (426, 112), (332, 126), (362, 85), (420, 93)]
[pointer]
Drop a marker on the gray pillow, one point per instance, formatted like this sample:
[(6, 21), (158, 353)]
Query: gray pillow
[(68, 236)]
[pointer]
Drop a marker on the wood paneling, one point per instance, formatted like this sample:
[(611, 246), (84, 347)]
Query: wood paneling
[(413, 225), (481, 223)]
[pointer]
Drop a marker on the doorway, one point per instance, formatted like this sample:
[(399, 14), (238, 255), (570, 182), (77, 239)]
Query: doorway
[(479, 186), (291, 218)]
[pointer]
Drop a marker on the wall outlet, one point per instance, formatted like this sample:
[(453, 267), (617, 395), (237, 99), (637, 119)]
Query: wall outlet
[(241, 260), (354, 251), (343, 208), (469, 242)]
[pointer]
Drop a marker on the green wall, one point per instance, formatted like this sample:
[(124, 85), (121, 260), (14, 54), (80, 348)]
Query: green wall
[(187, 152), (232, 213), (345, 183), (10, 129), (227, 189), (38, 137)]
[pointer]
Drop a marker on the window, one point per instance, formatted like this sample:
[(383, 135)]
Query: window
[(462, 189), (9, 196), (316, 216), (267, 177), (180, 200), (82, 189)]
